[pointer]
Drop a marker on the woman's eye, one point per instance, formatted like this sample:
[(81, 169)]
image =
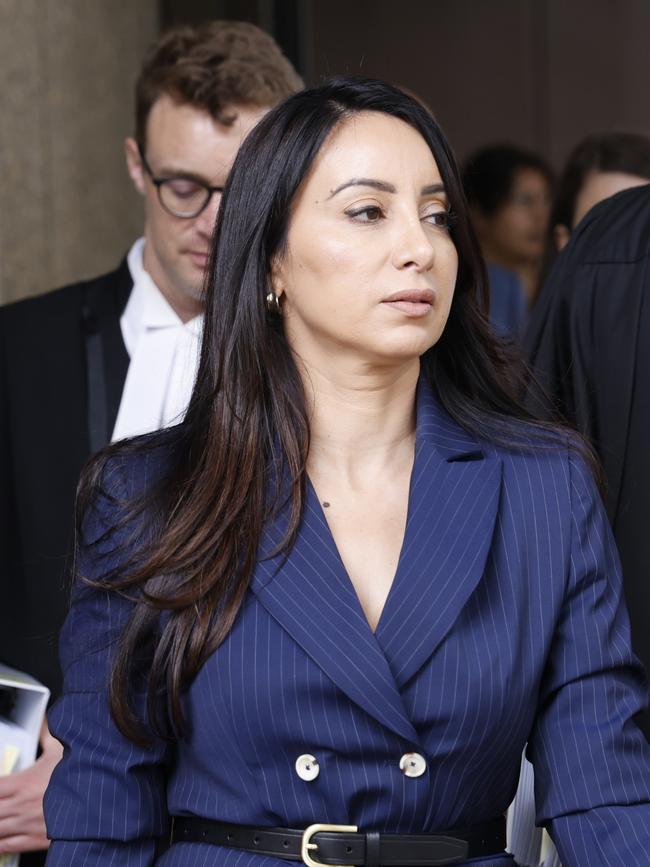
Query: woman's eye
[(369, 214), (441, 219)]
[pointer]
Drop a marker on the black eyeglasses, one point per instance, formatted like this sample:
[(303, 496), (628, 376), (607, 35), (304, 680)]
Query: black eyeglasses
[(181, 197)]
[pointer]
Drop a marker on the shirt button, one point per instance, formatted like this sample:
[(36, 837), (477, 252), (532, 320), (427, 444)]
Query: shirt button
[(412, 765), (307, 767)]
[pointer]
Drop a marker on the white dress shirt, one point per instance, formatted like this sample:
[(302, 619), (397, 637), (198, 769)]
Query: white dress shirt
[(164, 353)]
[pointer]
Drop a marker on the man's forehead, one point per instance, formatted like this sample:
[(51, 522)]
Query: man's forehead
[(170, 118), (185, 138), (190, 138)]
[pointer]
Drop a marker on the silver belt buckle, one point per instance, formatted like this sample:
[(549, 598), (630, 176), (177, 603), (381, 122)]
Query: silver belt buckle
[(309, 832)]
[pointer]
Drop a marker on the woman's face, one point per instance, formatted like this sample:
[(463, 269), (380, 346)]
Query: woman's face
[(515, 234), (369, 270)]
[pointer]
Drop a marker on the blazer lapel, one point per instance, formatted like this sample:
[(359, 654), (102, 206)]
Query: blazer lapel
[(116, 359), (107, 360), (310, 594), (453, 505)]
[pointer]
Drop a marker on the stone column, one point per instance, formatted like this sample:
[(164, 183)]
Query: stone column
[(67, 209)]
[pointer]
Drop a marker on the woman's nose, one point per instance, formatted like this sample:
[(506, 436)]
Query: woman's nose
[(414, 247)]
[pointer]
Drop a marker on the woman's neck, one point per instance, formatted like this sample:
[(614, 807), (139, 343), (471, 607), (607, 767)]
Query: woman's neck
[(361, 422)]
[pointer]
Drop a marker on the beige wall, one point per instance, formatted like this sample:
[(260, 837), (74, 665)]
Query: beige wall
[(67, 208)]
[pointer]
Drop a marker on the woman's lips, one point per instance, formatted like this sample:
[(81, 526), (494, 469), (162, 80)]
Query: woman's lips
[(416, 302)]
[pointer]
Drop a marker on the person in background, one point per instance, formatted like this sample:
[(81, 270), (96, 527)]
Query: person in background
[(508, 306), (115, 356), (509, 193), (600, 166), (588, 343)]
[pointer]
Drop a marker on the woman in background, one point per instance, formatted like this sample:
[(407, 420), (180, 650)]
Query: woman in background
[(358, 577), (599, 167), (509, 192)]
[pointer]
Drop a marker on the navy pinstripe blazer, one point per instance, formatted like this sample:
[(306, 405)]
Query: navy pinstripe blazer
[(504, 624)]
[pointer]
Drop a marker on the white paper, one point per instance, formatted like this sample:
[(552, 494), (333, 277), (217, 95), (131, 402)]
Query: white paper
[(531, 846), (20, 730)]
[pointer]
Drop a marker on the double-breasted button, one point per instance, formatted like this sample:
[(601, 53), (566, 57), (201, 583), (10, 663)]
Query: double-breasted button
[(412, 765), (307, 767)]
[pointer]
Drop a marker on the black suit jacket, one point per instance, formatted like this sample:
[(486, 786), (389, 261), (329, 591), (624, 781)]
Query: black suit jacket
[(62, 369), (589, 343)]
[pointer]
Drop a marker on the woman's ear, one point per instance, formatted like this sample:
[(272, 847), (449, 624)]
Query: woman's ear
[(277, 278), (561, 235)]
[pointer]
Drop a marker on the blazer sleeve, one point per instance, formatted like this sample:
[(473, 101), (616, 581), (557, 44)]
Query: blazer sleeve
[(105, 803), (592, 763)]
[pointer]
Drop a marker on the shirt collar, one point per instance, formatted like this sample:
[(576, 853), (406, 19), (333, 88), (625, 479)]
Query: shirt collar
[(147, 307)]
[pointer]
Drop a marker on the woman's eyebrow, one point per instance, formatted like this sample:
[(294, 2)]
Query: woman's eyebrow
[(384, 186), (364, 182), (432, 189)]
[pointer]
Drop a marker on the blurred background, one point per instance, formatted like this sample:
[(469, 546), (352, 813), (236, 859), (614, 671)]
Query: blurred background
[(541, 74)]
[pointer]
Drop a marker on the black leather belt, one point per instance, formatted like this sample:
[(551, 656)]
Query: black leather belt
[(343, 845)]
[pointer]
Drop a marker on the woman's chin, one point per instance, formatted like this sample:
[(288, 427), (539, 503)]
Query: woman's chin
[(409, 345), (401, 353)]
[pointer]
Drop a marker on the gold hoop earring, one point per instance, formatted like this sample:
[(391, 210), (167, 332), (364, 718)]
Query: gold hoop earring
[(273, 304)]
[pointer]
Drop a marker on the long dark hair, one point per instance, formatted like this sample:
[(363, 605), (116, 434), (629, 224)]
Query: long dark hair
[(247, 426)]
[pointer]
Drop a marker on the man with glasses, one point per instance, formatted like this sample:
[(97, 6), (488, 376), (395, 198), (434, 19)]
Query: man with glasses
[(115, 356)]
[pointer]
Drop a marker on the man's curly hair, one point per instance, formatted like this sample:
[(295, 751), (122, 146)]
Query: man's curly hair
[(218, 67)]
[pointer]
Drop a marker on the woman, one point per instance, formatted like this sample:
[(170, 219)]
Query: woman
[(509, 191), (600, 166), (356, 580)]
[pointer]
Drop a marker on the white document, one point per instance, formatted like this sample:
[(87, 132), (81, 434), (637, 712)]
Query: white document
[(531, 846), (24, 700)]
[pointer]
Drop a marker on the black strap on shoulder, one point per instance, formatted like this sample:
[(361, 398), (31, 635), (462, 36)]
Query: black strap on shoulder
[(97, 400), (102, 303)]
